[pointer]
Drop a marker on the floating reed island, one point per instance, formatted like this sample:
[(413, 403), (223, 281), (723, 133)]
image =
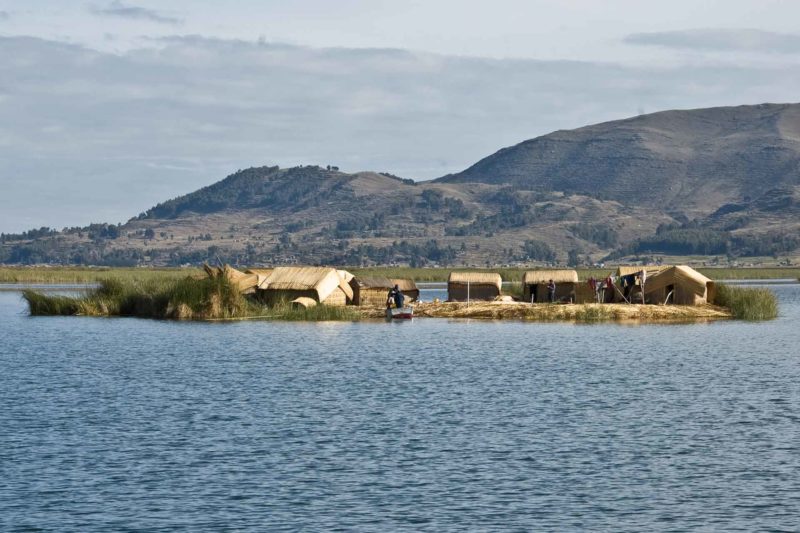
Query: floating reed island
[(649, 294)]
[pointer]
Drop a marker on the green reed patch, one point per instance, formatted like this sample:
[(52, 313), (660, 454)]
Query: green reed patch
[(319, 313), (45, 304), (185, 298), (169, 298), (748, 303)]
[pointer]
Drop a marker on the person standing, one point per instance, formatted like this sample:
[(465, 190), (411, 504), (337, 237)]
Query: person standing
[(593, 288), (551, 290), (397, 295)]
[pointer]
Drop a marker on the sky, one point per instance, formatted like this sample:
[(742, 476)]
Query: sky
[(108, 107)]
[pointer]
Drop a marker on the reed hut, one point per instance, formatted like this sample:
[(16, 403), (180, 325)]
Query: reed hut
[(322, 284), (534, 285), (370, 290), (679, 285), (407, 287), (462, 286)]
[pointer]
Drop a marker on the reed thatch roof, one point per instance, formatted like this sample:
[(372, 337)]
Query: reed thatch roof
[(262, 273), (345, 275), (692, 278), (532, 277), (476, 278), (404, 284), (374, 282), (652, 270), (323, 280)]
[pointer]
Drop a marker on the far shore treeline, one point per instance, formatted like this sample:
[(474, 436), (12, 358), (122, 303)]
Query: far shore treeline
[(79, 274)]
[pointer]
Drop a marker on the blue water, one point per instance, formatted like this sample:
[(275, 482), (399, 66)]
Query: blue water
[(430, 425)]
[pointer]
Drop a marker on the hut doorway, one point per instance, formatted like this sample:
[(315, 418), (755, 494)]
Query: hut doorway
[(670, 289)]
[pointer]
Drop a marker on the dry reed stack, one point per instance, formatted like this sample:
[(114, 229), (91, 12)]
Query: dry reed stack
[(321, 284), (246, 283), (485, 286), (534, 285)]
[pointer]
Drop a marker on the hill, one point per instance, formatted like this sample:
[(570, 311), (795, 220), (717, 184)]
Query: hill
[(722, 181), (688, 162)]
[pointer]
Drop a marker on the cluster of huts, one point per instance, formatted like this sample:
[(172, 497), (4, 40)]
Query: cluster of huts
[(679, 285), (309, 286)]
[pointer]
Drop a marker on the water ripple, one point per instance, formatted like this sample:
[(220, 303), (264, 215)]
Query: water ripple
[(124, 424)]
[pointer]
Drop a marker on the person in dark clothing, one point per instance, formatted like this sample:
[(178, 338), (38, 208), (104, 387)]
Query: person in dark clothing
[(397, 295), (629, 281), (551, 290)]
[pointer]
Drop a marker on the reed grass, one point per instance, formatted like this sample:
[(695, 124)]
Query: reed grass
[(750, 273), (318, 313), (185, 298), (48, 305), (747, 303), (41, 274), (168, 298)]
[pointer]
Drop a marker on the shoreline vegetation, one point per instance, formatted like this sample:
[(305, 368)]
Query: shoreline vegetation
[(78, 274), (192, 298)]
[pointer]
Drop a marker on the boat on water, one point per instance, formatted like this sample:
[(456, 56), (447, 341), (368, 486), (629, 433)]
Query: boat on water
[(405, 312)]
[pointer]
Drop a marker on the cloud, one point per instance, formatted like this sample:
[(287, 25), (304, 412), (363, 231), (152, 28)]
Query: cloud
[(721, 40), (118, 9), (103, 136), (5, 15)]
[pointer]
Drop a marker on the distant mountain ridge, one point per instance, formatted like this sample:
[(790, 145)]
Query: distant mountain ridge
[(686, 161), (719, 181)]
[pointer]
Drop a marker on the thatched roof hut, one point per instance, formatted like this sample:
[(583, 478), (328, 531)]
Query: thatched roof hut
[(534, 285), (473, 286), (408, 287), (680, 285), (321, 284), (370, 290)]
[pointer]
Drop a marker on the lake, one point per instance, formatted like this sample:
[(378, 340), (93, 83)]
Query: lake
[(429, 425)]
